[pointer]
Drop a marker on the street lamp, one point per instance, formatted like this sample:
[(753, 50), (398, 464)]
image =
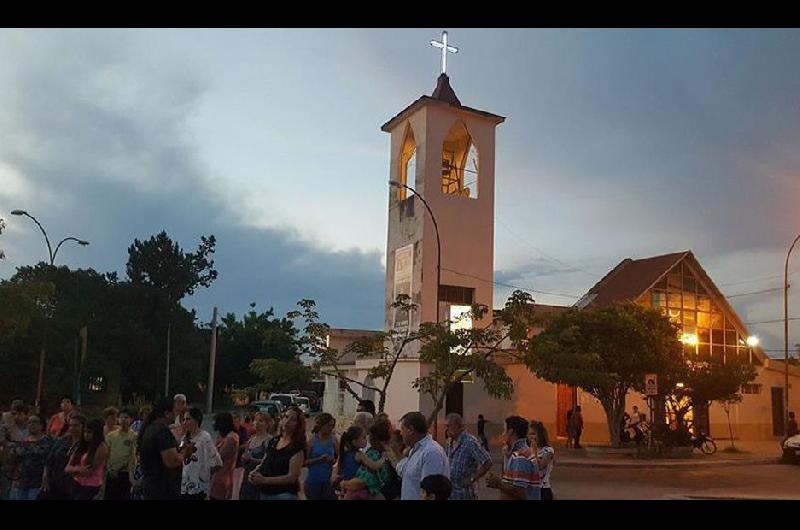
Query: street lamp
[(396, 184), (689, 338), (752, 342), (52, 255), (786, 338)]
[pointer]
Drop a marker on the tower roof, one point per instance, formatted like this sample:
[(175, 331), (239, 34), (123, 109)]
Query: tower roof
[(444, 92), (444, 95)]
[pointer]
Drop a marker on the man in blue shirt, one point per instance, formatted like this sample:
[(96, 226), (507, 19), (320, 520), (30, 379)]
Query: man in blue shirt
[(424, 456), (468, 460)]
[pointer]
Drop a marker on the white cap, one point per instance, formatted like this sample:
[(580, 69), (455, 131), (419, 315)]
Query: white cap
[(180, 397)]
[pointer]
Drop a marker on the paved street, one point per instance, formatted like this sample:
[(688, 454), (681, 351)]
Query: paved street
[(735, 481)]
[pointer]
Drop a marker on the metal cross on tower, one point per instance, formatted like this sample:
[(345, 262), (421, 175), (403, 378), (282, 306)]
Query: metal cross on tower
[(445, 48)]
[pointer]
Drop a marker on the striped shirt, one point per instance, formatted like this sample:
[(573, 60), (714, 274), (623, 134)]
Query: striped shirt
[(521, 471)]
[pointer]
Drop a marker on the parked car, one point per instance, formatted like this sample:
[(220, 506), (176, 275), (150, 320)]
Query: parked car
[(313, 399), (791, 449), (273, 408), (287, 400), (304, 404)]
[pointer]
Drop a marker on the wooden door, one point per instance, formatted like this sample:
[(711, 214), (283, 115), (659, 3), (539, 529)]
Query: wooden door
[(777, 411), (454, 402), (564, 402)]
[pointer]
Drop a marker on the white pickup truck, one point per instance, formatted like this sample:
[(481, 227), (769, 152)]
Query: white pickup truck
[(291, 400)]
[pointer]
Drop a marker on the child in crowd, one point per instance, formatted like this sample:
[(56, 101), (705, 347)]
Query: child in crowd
[(435, 488), (373, 473)]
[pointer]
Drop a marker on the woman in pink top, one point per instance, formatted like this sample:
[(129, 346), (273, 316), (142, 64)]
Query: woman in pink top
[(221, 488), (87, 463)]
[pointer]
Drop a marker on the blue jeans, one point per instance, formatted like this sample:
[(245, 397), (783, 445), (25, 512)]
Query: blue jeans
[(23, 494), (278, 497)]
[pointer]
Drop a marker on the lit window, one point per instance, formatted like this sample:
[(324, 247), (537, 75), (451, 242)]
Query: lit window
[(460, 163), (408, 164)]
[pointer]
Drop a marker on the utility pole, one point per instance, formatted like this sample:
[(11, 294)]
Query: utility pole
[(166, 377), (211, 362), (84, 334)]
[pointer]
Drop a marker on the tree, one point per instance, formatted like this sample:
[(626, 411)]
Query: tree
[(386, 347), (161, 264), (456, 354), (255, 336), (706, 382), (606, 352), (19, 305), (279, 376)]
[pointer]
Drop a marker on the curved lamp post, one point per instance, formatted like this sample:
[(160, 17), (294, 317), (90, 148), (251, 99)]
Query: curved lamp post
[(396, 184), (52, 255), (786, 338)]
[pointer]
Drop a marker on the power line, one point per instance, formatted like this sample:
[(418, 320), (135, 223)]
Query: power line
[(542, 252), (770, 321), (511, 285), (755, 292), (758, 279)]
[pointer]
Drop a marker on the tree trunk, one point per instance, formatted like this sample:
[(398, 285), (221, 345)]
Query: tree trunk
[(614, 407), (730, 427), (433, 417), (382, 401)]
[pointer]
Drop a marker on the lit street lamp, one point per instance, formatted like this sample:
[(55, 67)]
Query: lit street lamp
[(786, 338), (752, 342), (52, 255), (395, 184)]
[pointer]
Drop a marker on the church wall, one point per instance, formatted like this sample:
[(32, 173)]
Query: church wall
[(752, 419), (536, 399), (406, 221), (466, 226), (400, 396)]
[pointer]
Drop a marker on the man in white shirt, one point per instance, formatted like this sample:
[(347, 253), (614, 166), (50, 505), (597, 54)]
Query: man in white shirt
[(179, 409), (425, 457)]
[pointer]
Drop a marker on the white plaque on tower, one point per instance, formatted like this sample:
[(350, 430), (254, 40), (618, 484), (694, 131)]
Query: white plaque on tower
[(403, 275)]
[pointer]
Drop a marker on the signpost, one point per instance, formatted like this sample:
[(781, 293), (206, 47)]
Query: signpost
[(651, 385)]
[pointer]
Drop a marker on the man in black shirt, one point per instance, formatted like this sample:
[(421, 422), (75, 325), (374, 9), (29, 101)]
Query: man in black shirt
[(159, 457), (482, 433)]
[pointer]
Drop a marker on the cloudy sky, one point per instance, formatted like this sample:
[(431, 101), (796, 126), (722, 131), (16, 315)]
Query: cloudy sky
[(618, 143)]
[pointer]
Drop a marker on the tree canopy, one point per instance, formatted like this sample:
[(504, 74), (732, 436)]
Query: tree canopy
[(606, 352)]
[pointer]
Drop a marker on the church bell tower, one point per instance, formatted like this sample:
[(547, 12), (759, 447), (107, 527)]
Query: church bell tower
[(444, 152)]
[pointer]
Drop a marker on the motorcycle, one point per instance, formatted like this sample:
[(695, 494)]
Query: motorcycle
[(705, 443)]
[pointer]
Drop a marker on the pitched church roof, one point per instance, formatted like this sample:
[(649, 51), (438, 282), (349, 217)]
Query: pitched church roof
[(631, 279), (443, 94)]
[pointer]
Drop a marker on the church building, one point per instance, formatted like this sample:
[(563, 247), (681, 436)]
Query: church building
[(440, 253)]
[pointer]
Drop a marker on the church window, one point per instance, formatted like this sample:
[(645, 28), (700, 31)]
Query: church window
[(703, 303), (460, 163), (456, 295), (675, 299), (688, 300), (408, 164), (659, 298)]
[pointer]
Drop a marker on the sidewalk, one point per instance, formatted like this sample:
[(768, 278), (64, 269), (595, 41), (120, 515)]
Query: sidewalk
[(750, 453)]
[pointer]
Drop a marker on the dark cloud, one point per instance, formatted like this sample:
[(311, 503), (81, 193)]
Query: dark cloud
[(98, 146)]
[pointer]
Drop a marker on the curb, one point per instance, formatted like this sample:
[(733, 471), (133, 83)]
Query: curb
[(657, 463)]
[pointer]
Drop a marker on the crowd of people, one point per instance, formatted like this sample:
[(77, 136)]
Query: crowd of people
[(162, 452)]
